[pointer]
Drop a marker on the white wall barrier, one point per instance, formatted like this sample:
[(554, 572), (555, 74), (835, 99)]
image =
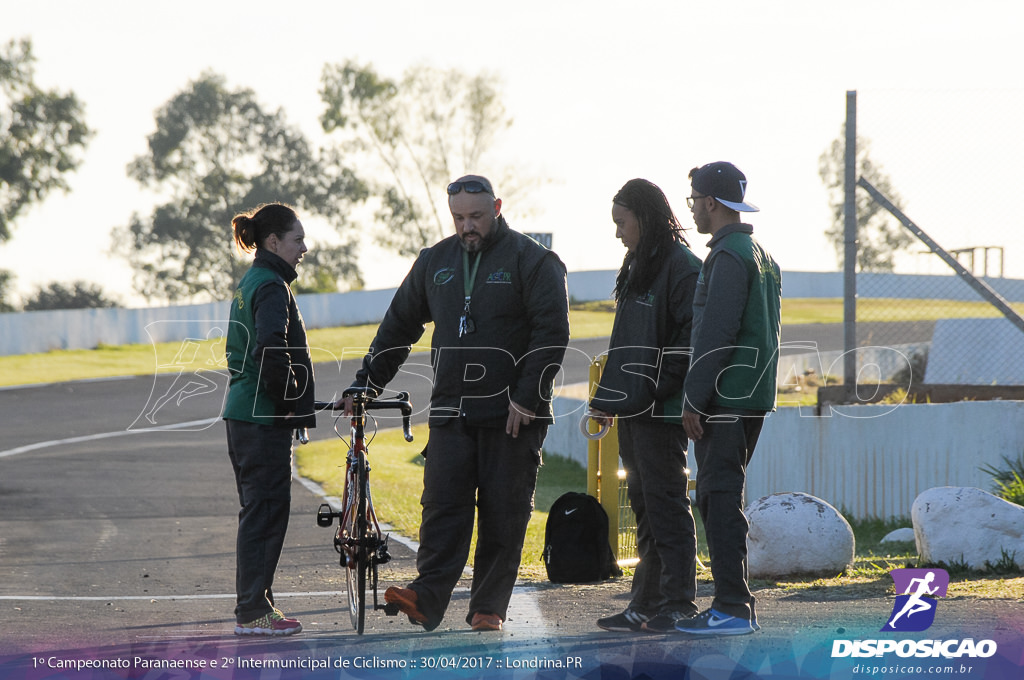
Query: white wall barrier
[(30, 332), (869, 461), (902, 286)]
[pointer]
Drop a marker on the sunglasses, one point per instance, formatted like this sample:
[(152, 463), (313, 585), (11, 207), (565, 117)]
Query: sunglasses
[(471, 186)]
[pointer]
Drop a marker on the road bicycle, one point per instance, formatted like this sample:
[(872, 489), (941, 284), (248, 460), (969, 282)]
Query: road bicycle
[(359, 539)]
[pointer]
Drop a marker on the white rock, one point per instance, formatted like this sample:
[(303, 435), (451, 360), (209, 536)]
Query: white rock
[(958, 524), (796, 533), (903, 535)]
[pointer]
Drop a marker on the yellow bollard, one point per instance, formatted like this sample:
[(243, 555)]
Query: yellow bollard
[(607, 483)]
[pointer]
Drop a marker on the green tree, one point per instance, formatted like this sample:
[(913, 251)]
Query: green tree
[(41, 135), (6, 279), (79, 295), (215, 153), (418, 134), (880, 236)]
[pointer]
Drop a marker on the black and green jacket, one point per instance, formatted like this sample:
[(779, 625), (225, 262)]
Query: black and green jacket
[(520, 308), (648, 353), (736, 325), (267, 353)]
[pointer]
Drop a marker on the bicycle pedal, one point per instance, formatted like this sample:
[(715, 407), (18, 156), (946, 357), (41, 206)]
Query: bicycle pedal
[(383, 556), (324, 515), (391, 609)]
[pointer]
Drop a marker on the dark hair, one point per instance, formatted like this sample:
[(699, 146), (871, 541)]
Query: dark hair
[(660, 230), (253, 227)]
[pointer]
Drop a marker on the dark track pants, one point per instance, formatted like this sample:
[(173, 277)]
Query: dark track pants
[(722, 455), (474, 469), (261, 457), (653, 454)]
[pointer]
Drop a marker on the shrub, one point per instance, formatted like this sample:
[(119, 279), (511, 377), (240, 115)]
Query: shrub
[(1008, 481), (1012, 490), (913, 374)]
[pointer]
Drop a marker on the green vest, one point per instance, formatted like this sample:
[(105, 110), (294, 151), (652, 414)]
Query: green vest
[(246, 399), (673, 406), (750, 382)]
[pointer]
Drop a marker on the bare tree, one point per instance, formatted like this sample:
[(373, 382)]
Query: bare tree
[(879, 235), (420, 132)]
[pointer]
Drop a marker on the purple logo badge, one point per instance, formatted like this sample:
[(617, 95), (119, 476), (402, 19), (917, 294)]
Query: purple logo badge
[(916, 590)]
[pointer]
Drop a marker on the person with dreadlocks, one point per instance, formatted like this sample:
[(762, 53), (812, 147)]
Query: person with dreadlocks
[(642, 386)]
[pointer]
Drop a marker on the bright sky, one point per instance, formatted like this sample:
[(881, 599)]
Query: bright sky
[(600, 91)]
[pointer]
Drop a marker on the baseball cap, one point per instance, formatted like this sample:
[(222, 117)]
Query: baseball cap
[(725, 182)]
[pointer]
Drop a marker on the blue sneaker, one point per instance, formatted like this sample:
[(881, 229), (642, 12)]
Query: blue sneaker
[(713, 622)]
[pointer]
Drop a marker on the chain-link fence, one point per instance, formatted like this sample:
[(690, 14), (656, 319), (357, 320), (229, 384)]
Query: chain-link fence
[(937, 286), (940, 262)]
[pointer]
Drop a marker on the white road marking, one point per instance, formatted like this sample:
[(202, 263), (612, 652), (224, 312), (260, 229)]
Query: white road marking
[(102, 435), (524, 609), (153, 598), (335, 504), (51, 384), (524, 605)]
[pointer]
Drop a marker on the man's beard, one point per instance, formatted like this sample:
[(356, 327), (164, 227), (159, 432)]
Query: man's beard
[(481, 242)]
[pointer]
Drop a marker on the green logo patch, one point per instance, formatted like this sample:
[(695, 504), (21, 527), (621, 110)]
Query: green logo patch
[(443, 276), (500, 276)]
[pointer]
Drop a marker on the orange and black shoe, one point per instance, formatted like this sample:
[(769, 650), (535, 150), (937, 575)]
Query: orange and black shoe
[(406, 600), (483, 621)]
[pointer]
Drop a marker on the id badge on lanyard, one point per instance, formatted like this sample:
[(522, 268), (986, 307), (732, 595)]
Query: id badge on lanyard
[(466, 323)]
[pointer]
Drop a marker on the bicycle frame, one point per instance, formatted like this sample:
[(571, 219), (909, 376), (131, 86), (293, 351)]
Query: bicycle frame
[(358, 539)]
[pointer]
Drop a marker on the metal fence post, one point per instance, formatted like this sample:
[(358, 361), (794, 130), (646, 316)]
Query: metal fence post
[(850, 250)]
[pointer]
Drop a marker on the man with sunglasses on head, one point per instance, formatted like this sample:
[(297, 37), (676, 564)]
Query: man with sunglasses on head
[(730, 386), (499, 304)]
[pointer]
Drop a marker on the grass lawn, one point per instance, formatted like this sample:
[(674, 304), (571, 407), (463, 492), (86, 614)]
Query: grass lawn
[(587, 320), (873, 560), (397, 466), (327, 344), (830, 310), (397, 480), (107, 361)]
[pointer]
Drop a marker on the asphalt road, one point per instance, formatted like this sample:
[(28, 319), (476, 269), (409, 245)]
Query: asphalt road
[(828, 337), (117, 548)]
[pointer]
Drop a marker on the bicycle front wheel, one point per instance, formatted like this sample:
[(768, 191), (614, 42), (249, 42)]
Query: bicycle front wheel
[(356, 573)]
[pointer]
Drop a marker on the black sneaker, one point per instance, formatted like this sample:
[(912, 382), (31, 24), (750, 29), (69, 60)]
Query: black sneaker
[(629, 621), (665, 622)]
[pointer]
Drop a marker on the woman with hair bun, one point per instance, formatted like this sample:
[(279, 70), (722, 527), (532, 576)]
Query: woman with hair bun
[(270, 395)]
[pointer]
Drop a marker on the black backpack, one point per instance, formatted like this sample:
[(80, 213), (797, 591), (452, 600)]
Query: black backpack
[(576, 547)]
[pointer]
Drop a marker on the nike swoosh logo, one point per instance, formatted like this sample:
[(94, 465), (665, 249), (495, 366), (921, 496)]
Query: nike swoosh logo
[(569, 512), (715, 622)]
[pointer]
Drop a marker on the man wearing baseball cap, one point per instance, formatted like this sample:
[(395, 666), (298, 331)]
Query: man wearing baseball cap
[(730, 386)]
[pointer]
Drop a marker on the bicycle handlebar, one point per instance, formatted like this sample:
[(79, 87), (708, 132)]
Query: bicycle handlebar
[(400, 402)]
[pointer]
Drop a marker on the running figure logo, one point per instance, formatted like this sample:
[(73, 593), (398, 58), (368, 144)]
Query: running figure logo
[(914, 609)]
